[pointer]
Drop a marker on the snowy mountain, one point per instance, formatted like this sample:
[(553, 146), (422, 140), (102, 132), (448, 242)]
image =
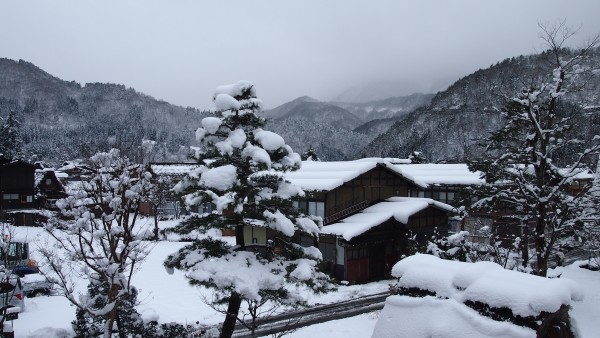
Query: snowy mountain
[(63, 120), (391, 107), (452, 126), (334, 129), (378, 90)]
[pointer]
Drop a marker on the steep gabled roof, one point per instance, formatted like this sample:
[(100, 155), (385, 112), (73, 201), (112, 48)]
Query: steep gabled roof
[(399, 208), (325, 176)]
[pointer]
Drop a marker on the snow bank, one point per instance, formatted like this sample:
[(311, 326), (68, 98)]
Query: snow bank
[(427, 317), (446, 312), (488, 283)]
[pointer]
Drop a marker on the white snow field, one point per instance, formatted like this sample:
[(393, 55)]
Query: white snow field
[(169, 297)]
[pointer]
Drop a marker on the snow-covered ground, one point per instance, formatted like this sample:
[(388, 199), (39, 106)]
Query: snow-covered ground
[(171, 298)]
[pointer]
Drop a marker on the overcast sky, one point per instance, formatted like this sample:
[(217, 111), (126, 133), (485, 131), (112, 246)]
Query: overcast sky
[(179, 51)]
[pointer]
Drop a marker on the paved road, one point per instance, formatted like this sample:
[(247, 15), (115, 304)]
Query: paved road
[(313, 315)]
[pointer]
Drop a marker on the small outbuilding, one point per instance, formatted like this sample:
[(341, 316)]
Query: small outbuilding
[(364, 247)]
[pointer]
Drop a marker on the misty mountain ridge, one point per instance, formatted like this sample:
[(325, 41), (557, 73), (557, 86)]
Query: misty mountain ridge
[(453, 125), (63, 120), (378, 90), (334, 129)]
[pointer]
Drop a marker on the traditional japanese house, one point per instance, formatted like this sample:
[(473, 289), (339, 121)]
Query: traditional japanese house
[(366, 212), (49, 188), (364, 247), (17, 189)]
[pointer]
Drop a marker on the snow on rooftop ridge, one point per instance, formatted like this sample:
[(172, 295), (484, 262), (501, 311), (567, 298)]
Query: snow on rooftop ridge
[(399, 208), (174, 169), (319, 176), (441, 173), (486, 282)]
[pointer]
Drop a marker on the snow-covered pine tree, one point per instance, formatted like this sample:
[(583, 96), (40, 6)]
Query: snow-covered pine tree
[(98, 238), (10, 137), (526, 182), (241, 173)]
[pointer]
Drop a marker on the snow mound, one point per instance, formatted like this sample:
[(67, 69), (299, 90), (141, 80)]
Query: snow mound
[(433, 317), (488, 283)]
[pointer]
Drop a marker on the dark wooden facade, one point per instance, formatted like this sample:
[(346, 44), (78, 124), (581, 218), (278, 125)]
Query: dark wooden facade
[(370, 256), (17, 185), (49, 189), (374, 185), (17, 192)]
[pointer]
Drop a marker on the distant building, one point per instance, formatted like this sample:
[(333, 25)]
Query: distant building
[(18, 192)]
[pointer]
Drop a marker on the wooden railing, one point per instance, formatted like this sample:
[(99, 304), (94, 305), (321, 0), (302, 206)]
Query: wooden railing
[(345, 212)]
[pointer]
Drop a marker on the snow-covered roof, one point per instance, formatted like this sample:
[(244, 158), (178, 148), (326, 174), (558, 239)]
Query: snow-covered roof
[(323, 176), (486, 282), (446, 174), (400, 208), (41, 173), (174, 168)]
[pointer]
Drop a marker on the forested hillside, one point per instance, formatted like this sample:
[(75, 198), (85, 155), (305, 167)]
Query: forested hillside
[(63, 120), (453, 125)]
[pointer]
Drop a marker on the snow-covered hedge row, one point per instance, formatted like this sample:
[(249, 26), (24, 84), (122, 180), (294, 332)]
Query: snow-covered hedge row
[(457, 299)]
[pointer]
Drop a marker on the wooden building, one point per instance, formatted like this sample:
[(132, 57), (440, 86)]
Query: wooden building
[(364, 247), (346, 192), (338, 189), (18, 191), (49, 188)]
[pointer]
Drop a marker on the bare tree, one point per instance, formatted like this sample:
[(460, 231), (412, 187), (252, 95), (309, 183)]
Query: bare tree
[(98, 236), (527, 178)]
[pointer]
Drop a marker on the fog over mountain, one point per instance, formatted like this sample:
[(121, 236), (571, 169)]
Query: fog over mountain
[(63, 120)]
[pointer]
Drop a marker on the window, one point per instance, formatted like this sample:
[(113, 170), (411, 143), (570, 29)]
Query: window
[(311, 207), (450, 196), (442, 196), (207, 208), (10, 196), (316, 208), (48, 181)]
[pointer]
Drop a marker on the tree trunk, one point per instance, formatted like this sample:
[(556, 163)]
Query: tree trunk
[(239, 236), (540, 248), (156, 224), (233, 309), (525, 245)]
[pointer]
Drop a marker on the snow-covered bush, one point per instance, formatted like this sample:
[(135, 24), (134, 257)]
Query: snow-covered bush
[(441, 298)]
